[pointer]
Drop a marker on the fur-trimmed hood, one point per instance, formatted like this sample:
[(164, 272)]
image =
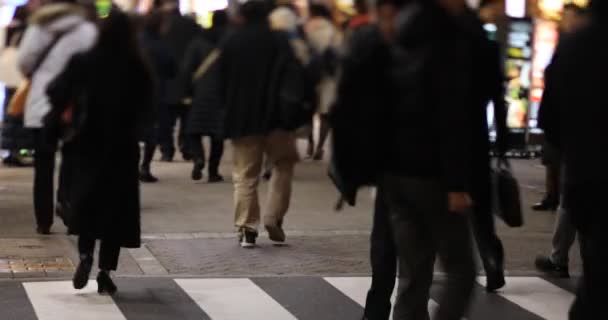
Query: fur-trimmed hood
[(53, 13)]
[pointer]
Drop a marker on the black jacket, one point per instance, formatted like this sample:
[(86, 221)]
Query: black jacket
[(181, 32), (573, 111), (359, 115), (430, 122), (247, 71), (206, 115)]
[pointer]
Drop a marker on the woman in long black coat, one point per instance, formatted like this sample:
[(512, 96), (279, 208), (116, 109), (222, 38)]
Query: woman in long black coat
[(109, 88)]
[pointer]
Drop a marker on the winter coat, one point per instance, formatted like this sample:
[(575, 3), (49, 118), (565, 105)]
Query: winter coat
[(76, 35), (487, 80), (430, 123), (206, 115), (113, 103), (323, 35), (573, 116), (163, 64), (181, 32), (247, 61), (359, 116)]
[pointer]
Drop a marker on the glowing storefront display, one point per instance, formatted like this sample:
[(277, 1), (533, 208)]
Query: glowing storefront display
[(203, 9)]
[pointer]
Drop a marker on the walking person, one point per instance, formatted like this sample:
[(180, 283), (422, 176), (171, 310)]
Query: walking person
[(488, 86), (253, 121), (364, 89), (427, 193), (575, 78), (325, 40), (564, 233), (164, 67), (15, 137), (200, 79), (111, 84), (58, 30), (180, 32)]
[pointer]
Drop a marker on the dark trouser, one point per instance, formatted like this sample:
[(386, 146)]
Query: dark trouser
[(489, 245), (423, 229), (591, 223), (108, 252), (384, 264), (168, 117), (44, 170), (197, 151), (552, 182), (150, 143)]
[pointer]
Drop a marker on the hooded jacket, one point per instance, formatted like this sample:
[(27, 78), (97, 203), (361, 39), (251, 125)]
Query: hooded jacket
[(66, 29)]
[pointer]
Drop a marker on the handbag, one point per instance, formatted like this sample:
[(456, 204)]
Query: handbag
[(16, 107), (10, 75), (506, 194)]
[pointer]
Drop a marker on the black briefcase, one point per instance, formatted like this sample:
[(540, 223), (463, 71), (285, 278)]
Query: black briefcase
[(506, 194)]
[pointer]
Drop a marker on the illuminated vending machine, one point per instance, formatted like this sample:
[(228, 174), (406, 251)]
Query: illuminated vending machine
[(518, 69)]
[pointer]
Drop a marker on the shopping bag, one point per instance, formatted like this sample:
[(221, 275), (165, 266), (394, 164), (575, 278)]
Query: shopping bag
[(506, 194), (16, 106), (10, 75)]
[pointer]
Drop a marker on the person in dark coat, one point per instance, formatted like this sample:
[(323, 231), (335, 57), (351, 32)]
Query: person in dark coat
[(575, 123), (488, 86), (179, 33), (109, 88), (164, 67), (206, 116)]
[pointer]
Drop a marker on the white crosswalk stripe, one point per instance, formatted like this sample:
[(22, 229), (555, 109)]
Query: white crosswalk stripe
[(233, 299), (524, 298), (537, 296), (59, 301)]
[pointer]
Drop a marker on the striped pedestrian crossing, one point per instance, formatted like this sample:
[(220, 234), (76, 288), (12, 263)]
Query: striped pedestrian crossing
[(272, 298)]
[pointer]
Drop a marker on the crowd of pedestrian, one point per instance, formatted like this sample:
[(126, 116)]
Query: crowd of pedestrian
[(403, 86)]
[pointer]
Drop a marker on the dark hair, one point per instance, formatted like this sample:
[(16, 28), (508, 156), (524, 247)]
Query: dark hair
[(319, 10), (599, 8), (153, 22), (21, 13), (220, 18), (255, 11), (361, 6), (396, 3)]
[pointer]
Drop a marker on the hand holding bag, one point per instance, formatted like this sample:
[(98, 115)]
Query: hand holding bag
[(506, 194)]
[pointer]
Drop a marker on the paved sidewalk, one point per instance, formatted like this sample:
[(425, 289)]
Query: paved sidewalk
[(188, 229)]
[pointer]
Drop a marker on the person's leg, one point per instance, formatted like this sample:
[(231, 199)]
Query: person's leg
[(44, 170), (182, 137), (248, 156), (145, 173), (323, 134), (86, 248), (166, 122), (408, 204), (108, 262), (197, 151), (490, 247), (215, 157), (383, 262), (564, 236), (454, 248), (108, 256), (282, 154)]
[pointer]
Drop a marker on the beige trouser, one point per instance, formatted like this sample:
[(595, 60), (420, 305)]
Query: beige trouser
[(280, 149)]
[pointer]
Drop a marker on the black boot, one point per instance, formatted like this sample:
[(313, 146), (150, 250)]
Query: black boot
[(105, 283), (81, 277), (197, 169), (546, 205), (146, 176), (495, 270)]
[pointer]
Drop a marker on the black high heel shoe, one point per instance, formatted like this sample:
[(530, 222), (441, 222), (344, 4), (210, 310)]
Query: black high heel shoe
[(81, 277), (105, 284)]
